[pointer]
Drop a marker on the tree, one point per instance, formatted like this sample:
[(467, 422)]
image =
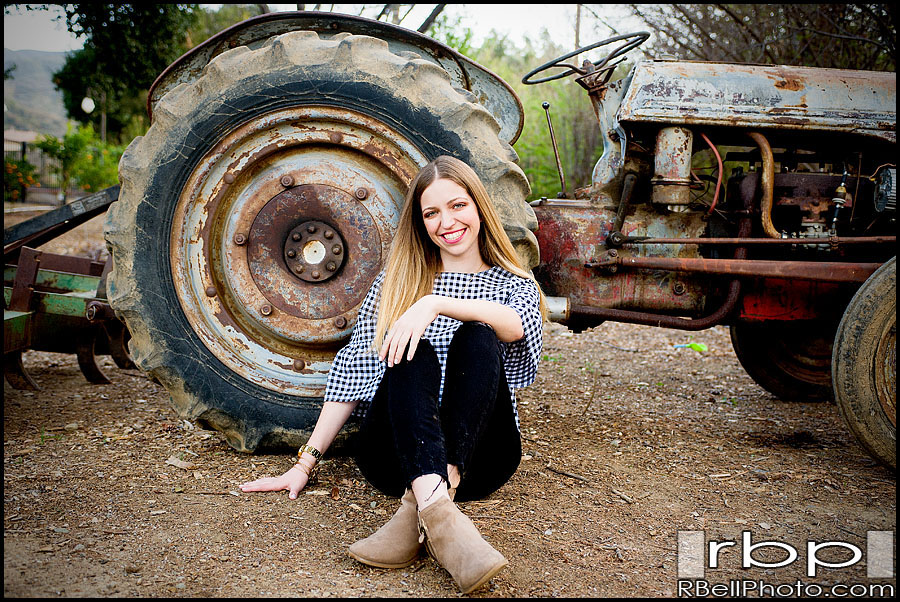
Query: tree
[(126, 47), (844, 36), (211, 22), (449, 31)]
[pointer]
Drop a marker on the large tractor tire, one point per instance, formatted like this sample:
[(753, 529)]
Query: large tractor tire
[(865, 365), (261, 204), (791, 360)]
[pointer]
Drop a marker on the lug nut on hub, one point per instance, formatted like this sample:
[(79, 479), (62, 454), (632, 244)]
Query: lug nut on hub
[(306, 249)]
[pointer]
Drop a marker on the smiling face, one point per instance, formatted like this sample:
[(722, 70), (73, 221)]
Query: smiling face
[(452, 222)]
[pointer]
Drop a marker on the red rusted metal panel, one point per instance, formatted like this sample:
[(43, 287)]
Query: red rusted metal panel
[(780, 299), (571, 234)]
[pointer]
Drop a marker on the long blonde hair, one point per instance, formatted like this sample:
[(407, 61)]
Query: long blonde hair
[(415, 260)]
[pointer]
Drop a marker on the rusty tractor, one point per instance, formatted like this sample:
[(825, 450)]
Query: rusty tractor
[(260, 205)]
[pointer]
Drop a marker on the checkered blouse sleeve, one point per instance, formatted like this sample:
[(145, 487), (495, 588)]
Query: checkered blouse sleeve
[(356, 370), (522, 356)]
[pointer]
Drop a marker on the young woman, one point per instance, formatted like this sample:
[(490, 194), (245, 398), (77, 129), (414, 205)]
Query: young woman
[(446, 334)]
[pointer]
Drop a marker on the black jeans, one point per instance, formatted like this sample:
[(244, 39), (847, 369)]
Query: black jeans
[(406, 434)]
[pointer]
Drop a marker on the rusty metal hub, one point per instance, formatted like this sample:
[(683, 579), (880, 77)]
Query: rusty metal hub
[(314, 251), (305, 266)]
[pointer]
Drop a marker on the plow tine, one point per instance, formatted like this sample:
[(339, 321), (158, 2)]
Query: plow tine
[(15, 372), (118, 337), (87, 361)]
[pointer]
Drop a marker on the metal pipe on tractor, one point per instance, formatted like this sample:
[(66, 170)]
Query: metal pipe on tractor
[(262, 201)]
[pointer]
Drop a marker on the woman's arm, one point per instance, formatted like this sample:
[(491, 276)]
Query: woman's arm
[(410, 327), (332, 417), (503, 319)]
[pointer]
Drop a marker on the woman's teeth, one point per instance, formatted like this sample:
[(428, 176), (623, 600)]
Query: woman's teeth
[(453, 236)]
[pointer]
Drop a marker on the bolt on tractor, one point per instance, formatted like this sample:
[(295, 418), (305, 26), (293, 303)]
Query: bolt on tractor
[(260, 205)]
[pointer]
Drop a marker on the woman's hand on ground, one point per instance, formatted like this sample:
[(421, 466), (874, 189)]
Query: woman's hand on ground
[(294, 480), (408, 329)]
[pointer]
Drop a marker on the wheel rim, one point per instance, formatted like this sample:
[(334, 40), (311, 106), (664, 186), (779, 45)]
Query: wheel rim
[(885, 371), (806, 358), (249, 231)]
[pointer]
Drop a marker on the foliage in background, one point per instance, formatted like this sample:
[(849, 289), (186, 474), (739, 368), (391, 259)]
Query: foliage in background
[(451, 32), (126, 47), (209, 22), (18, 175), (121, 61), (83, 160), (574, 123), (98, 166), (843, 36)]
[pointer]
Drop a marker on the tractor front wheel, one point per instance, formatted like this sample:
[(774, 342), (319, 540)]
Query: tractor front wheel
[(260, 206)]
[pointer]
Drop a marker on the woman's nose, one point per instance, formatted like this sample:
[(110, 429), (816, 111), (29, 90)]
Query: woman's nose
[(447, 219)]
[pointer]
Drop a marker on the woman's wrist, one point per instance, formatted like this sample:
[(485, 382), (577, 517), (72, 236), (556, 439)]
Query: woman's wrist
[(308, 469), (307, 450), (308, 457)]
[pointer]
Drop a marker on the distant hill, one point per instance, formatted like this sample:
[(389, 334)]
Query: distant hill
[(30, 100)]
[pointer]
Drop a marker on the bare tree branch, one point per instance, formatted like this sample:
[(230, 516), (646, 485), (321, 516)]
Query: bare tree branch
[(848, 36), (705, 32), (744, 28), (842, 36)]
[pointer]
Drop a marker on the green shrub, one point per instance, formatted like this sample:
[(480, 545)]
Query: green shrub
[(18, 175)]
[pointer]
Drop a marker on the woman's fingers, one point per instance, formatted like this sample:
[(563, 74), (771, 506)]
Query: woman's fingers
[(407, 330), (263, 484), (293, 480), (398, 345), (413, 343)]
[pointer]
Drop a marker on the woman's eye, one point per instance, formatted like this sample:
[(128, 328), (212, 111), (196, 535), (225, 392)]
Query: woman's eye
[(459, 205), (428, 215)]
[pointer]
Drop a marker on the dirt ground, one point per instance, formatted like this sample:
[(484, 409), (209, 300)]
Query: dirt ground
[(627, 441)]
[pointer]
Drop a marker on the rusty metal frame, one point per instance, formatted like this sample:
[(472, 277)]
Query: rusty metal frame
[(833, 241), (587, 315), (37, 288), (821, 271)]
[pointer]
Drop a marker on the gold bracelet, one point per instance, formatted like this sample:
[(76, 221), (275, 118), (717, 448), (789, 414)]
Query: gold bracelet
[(310, 471), (306, 447)]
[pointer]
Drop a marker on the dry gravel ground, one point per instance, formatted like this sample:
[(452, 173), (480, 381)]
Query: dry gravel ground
[(627, 440)]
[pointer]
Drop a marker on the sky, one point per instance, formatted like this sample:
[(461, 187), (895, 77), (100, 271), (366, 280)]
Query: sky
[(36, 30)]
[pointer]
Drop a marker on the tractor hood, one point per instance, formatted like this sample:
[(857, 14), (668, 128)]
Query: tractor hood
[(492, 92), (762, 96)]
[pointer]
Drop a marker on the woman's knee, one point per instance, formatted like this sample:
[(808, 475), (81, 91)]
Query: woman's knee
[(424, 361), (414, 381), (475, 336)]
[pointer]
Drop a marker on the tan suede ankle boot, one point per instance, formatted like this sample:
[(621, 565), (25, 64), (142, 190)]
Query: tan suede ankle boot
[(396, 544), (456, 544)]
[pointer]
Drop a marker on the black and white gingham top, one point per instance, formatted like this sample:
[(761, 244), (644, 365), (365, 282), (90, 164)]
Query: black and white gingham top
[(356, 371)]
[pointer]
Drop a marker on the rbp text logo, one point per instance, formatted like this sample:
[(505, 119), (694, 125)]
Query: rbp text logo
[(695, 554)]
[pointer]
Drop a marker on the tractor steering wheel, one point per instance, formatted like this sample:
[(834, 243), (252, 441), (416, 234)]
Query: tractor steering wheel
[(634, 40)]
